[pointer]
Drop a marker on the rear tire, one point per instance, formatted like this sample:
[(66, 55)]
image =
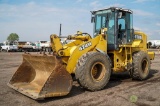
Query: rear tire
[(141, 66), (93, 71), (30, 50)]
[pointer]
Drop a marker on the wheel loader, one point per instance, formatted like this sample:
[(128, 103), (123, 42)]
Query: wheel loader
[(115, 47)]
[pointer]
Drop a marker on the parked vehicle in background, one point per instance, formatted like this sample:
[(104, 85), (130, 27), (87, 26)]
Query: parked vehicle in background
[(26, 46), (154, 44), (7, 46), (43, 45)]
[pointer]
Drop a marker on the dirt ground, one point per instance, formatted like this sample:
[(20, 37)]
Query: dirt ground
[(120, 91)]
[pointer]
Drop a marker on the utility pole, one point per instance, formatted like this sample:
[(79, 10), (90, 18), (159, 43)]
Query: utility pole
[(60, 30)]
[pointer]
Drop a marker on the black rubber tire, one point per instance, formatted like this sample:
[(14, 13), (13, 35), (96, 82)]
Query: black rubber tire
[(30, 50), (86, 65), (141, 66)]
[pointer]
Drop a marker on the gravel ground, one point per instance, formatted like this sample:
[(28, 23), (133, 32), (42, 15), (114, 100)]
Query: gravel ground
[(120, 91)]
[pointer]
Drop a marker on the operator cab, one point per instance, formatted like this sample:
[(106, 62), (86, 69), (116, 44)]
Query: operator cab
[(119, 23)]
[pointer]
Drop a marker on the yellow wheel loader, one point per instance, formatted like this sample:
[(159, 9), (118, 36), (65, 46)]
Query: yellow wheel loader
[(116, 47)]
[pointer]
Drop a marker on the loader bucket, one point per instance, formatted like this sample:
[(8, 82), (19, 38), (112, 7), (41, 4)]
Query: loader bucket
[(41, 76)]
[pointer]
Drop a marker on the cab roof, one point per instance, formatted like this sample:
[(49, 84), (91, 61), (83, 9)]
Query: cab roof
[(113, 8)]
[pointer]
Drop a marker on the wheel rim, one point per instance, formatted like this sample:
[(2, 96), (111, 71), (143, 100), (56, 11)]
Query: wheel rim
[(98, 71), (144, 66)]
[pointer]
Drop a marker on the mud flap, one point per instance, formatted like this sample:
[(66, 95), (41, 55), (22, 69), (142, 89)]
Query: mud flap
[(41, 76)]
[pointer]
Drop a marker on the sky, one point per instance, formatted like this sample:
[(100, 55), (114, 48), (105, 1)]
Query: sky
[(35, 20)]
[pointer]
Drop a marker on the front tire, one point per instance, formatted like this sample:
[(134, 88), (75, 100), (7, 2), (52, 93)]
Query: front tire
[(141, 66), (93, 71)]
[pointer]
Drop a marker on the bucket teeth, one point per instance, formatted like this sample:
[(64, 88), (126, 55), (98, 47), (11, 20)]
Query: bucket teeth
[(41, 76)]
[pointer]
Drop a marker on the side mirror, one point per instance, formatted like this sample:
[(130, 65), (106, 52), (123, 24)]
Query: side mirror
[(92, 19)]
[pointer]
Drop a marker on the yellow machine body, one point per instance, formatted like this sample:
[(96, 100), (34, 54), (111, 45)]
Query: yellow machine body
[(122, 58)]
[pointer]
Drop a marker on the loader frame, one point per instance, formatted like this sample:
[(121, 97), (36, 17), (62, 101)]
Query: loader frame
[(118, 48)]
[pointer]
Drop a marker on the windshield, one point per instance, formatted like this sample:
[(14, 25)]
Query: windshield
[(111, 28), (43, 41), (106, 19), (100, 22), (101, 19), (33, 44)]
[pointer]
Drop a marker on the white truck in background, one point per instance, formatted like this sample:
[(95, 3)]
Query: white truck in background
[(154, 43), (7, 46), (43, 45)]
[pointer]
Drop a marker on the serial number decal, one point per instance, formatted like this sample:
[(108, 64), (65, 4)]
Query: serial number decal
[(85, 46)]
